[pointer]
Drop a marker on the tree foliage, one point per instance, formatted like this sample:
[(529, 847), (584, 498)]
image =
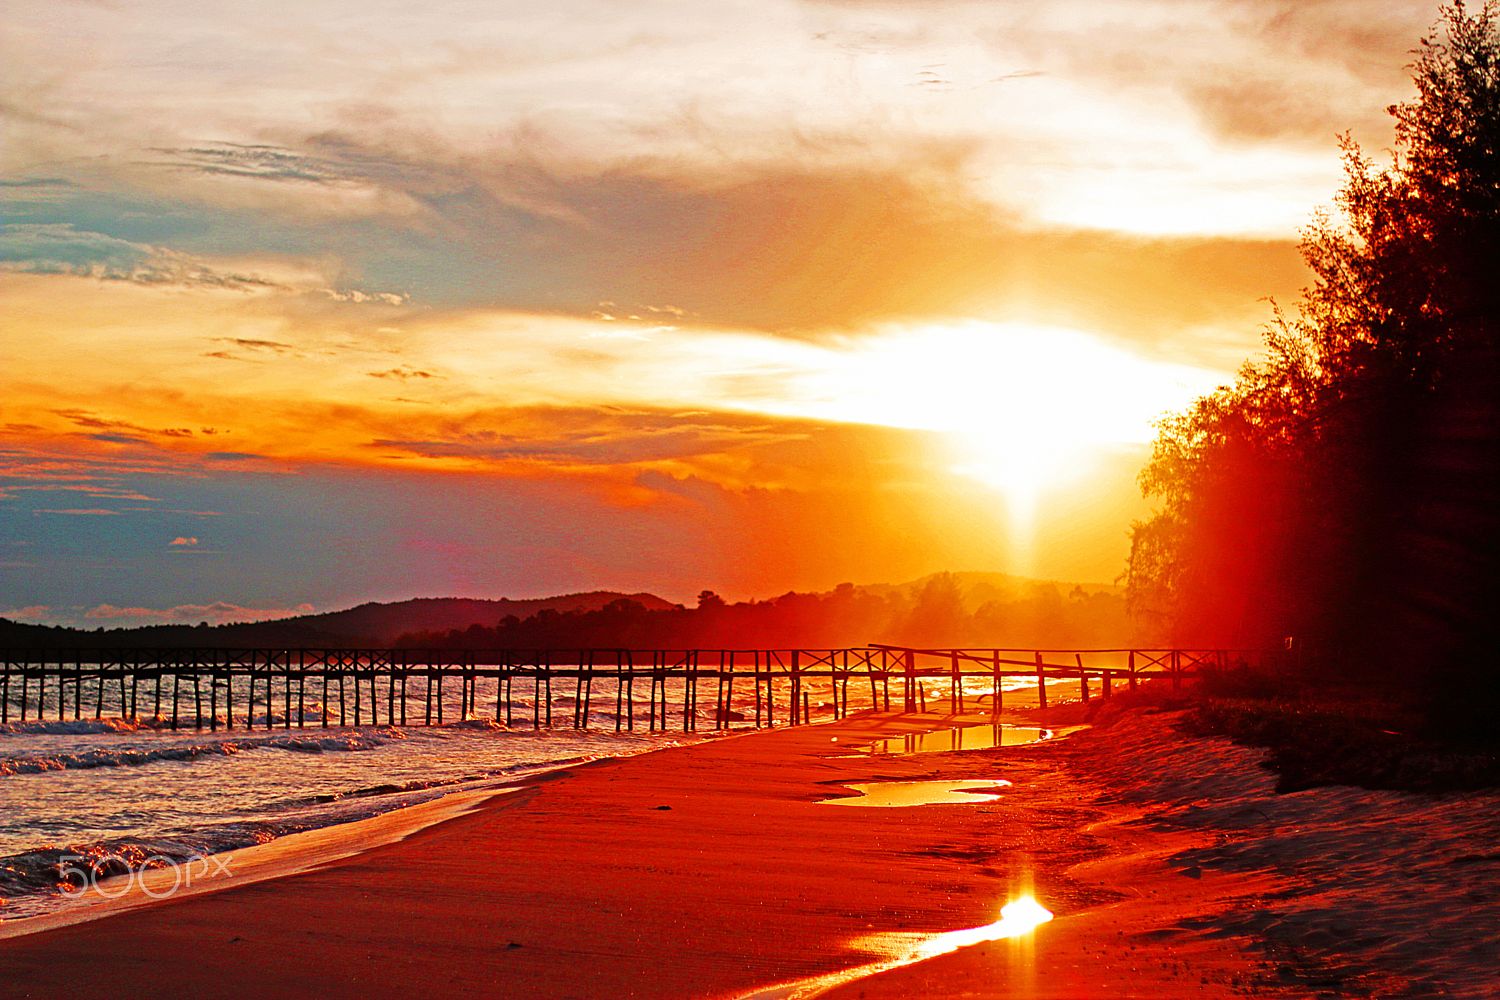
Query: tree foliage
[(1344, 489)]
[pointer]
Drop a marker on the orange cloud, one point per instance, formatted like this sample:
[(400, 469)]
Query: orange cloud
[(216, 613)]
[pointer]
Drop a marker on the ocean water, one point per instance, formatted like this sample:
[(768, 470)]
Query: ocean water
[(119, 795)]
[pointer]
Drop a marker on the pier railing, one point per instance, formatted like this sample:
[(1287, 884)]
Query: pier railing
[(172, 688)]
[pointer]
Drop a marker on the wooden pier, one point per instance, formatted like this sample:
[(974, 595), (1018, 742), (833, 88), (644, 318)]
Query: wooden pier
[(296, 688)]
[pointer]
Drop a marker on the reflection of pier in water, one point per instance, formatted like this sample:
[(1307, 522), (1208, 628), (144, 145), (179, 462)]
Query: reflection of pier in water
[(210, 688), (980, 737)]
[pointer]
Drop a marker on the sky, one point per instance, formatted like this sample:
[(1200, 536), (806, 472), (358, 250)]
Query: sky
[(306, 304)]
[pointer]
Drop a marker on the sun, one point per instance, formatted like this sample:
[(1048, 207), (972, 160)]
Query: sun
[(1024, 409)]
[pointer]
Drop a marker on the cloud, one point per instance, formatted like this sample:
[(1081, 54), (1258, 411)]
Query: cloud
[(782, 247), (61, 248), (79, 511), (261, 162), (575, 437), (274, 346), (35, 613), (188, 540), (405, 373), (112, 429), (59, 467), (35, 190), (217, 613)]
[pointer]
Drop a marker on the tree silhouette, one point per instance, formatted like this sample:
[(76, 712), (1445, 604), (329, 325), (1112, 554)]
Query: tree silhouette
[(1344, 490)]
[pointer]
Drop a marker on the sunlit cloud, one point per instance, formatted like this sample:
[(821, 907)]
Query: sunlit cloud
[(216, 613), (35, 613)]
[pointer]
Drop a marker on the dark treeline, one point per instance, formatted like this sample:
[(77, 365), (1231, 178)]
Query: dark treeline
[(1346, 491), (939, 611)]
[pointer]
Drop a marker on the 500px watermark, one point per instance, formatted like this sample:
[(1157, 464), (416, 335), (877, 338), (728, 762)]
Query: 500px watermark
[(115, 875)]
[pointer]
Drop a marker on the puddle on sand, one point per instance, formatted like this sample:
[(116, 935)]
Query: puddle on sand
[(899, 794), (981, 737), (1017, 919)]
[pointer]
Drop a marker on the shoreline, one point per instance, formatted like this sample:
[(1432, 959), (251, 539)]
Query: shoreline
[(714, 871), (685, 873)]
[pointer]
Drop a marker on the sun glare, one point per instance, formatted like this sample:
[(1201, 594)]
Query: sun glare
[(1018, 918), (1024, 408)]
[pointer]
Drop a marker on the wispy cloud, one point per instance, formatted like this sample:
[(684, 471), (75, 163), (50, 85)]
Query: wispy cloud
[(404, 373), (614, 438), (261, 162), (61, 248), (215, 613), (33, 613)]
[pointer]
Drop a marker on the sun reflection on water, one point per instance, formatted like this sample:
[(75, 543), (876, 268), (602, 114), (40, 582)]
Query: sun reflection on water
[(1018, 918)]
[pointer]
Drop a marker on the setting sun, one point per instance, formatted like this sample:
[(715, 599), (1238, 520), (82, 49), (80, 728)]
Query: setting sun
[(1025, 409)]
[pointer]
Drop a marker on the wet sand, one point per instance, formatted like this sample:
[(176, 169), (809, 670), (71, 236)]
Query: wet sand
[(707, 871)]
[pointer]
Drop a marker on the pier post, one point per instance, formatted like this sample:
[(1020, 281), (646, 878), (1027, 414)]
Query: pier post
[(629, 691), (99, 690), (756, 677), (910, 669), (995, 682), (536, 693), (1041, 681), (657, 681), (726, 688), (228, 694), (587, 665), (955, 685), (795, 714), (405, 672), (427, 698)]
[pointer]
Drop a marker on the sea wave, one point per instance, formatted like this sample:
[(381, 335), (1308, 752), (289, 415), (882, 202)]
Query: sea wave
[(73, 727), (55, 868), (134, 756)]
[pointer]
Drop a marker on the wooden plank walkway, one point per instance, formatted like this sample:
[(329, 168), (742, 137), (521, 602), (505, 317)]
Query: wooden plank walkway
[(228, 688)]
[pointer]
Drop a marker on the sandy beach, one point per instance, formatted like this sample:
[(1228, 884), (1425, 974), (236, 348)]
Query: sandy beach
[(713, 871)]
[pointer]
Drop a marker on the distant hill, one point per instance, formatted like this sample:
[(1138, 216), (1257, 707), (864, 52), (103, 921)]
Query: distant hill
[(977, 609), (369, 624), (384, 623)]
